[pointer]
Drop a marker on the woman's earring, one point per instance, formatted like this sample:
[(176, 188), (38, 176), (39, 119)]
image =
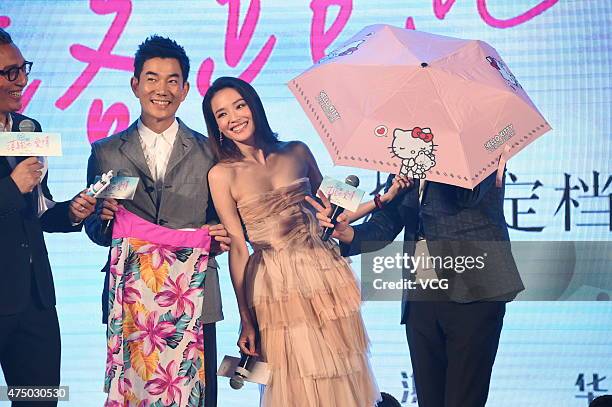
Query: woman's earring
[(220, 137)]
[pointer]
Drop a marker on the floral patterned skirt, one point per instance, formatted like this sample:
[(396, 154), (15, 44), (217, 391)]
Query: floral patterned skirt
[(155, 345)]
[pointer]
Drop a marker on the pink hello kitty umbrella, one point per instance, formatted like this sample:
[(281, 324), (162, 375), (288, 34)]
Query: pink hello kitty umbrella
[(424, 105)]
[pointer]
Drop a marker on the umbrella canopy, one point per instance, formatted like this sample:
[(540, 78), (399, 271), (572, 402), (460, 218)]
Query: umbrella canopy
[(427, 106)]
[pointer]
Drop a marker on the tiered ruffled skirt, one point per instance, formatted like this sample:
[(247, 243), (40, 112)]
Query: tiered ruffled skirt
[(307, 305)]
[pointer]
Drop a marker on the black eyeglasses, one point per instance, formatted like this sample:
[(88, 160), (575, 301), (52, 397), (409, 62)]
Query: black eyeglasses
[(12, 73)]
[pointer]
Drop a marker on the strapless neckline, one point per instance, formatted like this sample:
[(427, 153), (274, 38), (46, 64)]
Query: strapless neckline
[(272, 191)]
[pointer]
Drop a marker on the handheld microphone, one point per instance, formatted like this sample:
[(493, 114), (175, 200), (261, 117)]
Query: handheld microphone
[(241, 372), (27, 125), (353, 181)]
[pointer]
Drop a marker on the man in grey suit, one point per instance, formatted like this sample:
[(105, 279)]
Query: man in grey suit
[(172, 162)]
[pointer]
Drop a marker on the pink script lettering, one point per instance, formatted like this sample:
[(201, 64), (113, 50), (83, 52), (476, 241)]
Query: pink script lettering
[(236, 43), (99, 124), (319, 38), (5, 21), (441, 8), (102, 57)]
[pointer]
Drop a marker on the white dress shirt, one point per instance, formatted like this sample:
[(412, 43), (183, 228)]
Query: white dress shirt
[(157, 148), (43, 203), (9, 124)]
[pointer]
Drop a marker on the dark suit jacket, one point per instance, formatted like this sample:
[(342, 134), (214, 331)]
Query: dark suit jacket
[(21, 238), (455, 221), (182, 202)]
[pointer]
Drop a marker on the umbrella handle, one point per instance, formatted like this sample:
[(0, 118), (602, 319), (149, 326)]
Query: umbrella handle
[(503, 158)]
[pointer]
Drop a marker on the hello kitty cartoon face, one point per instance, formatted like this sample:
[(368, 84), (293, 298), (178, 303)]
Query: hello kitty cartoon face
[(504, 71), (409, 143), (416, 150)]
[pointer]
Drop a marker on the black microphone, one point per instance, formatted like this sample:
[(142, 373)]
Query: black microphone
[(241, 372), (353, 181), (28, 126)]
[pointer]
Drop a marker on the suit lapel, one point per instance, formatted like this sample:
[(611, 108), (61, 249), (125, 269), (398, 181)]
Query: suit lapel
[(5, 166), (16, 121), (182, 145), (132, 149)]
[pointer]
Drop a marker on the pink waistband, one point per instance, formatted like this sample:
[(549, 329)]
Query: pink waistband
[(127, 224)]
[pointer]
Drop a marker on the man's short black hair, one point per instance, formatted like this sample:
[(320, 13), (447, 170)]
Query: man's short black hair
[(160, 47), (5, 38)]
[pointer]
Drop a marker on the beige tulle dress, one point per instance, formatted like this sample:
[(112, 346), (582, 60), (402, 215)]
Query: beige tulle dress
[(307, 305)]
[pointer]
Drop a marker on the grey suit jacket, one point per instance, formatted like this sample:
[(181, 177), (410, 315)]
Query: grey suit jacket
[(182, 202)]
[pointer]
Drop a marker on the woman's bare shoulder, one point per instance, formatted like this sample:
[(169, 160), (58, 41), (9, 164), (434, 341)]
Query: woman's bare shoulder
[(222, 171), (296, 147)]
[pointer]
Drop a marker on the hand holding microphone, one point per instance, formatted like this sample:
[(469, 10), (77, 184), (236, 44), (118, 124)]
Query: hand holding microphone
[(241, 372), (109, 206), (338, 226), (247, 346), (247, 342), (336, 210), (26, 175)]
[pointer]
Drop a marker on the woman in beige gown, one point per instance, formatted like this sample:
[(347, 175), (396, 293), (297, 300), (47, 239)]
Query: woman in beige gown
[(298, 299)]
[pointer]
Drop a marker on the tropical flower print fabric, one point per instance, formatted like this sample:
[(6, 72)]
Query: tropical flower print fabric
[(155, 344)]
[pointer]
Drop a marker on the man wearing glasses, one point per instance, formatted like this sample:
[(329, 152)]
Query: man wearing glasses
[(29, 329)]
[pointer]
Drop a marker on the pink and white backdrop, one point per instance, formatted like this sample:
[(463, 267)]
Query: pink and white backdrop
[(558, 353)]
